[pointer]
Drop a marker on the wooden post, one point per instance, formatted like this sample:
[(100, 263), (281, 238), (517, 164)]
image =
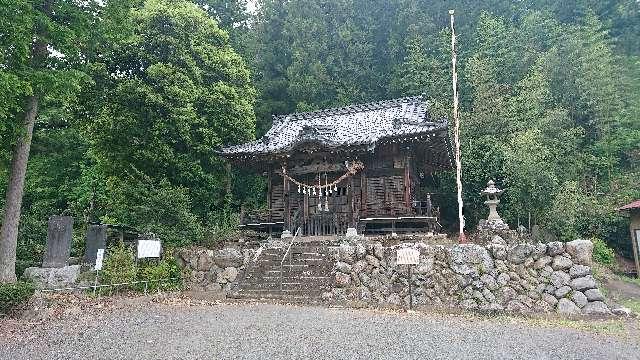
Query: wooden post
[(350, 202), (407, 183), (228, 185), (363, 191), (634, 228), (285, 194)]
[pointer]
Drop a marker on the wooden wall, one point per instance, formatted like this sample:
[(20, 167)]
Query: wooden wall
[(384, 188)]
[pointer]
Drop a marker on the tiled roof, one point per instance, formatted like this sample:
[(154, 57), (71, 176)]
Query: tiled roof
[(633, 205), (361, 124)]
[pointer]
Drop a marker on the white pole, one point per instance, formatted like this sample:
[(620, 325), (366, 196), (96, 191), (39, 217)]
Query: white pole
[(456, 131)]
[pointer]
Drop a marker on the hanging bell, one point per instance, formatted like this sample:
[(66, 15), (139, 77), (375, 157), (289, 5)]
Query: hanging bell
[(314, 190), (298, 188), (335, 187)]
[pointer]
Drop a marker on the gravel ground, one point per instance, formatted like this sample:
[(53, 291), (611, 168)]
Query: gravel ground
[(269, 331)]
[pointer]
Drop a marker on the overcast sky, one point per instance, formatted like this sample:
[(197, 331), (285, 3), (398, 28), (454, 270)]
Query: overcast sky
[(251, 6)]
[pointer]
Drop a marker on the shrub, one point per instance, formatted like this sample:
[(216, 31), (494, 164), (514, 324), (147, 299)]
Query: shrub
[(602, 253), (166, 268), (14, 294), (119, 265)]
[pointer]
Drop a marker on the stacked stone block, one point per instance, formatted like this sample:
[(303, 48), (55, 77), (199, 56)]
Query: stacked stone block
[(214, 270), (499, 276)]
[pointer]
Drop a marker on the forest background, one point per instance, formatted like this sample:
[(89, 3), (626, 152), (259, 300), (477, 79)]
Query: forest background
[(135, 97)]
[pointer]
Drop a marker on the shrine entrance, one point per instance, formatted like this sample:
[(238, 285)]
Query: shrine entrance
[(322, 203)]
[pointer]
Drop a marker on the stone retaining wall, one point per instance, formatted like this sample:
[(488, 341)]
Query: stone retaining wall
[(499, 276), (214, 270)]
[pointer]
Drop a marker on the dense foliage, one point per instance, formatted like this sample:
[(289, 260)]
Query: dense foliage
[(139, 94), (602, 254)]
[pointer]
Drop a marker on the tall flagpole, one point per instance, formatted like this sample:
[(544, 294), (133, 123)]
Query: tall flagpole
[(456, 129)]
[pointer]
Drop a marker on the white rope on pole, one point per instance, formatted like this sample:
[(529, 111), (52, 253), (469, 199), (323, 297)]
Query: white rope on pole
[(456, 127)]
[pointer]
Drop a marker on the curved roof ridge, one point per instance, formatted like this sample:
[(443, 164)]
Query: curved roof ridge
[(347, 109), (353, 125)]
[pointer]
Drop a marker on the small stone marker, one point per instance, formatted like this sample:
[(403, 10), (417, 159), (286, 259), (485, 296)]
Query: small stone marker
[(149, 249), (407, 256), (96, 238), (58, 242)]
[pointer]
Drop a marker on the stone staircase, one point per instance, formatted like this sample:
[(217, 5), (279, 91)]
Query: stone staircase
[(305, 273)]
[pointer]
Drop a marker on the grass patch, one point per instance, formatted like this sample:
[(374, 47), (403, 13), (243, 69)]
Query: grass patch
[(632, 304), (602, 327), (630, 280), (615, 327)]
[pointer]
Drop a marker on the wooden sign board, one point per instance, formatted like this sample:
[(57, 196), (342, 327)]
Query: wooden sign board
[(407, 256), (149, 249)]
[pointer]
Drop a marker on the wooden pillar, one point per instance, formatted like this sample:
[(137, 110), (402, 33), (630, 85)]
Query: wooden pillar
[(287, 212), (270, 193), (634, 227), (363, 191), (352, 222), (407, 182), (227, 168)]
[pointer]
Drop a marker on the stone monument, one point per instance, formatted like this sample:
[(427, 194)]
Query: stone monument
[(59, 236), (55, 271), (96, 238)]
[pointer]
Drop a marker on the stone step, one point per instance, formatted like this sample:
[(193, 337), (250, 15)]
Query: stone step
[(290, 297), (284, 291), (285, 287), (264, 267), (295, 256), (269, 265), (277, 279), (304, 274), (266, 279)]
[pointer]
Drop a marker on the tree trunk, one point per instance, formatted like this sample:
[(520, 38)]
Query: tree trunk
[(13, 203)]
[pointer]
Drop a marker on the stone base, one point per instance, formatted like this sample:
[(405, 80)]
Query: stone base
[(492, 225), (51, 278), (351, 232)]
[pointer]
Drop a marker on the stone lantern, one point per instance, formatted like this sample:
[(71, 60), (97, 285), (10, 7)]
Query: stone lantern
[(493, 193)]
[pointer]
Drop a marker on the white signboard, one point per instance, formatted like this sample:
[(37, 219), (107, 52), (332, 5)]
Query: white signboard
[(99, 258), (149, 249), (407, 256)]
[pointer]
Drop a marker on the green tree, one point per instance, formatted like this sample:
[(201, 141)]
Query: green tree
[(175, 92), (38, 58)]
